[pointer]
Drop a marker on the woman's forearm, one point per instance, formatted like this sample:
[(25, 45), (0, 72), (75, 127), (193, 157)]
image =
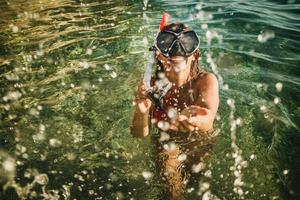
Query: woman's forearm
[(204, 123), (140, 124)]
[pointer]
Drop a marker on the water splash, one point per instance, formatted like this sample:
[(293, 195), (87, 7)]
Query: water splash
[(44, 55), (147, 175), (7, 167), (145, 4), (264, 36), (211, 34), (239, 162), (279, 86), (41, 179)]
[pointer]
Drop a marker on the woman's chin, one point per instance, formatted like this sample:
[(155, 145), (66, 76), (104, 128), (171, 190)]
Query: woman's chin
[(179, 68)]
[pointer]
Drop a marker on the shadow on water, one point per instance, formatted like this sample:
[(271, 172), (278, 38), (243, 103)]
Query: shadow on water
[(68, 71)]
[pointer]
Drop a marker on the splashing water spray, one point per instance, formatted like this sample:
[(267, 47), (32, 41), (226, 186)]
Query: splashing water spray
[(239, 162), (145, 4)]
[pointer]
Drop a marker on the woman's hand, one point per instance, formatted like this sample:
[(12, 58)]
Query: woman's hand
[(190, 119), (141, 98), (182, 124)]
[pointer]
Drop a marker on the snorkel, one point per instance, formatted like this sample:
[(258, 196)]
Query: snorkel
[(151, 60), (155, 97), (164, 21), (173, 40)]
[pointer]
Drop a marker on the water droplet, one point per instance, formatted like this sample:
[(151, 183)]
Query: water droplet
[(172, 113), (204, 186), (12, 77), (230, 102), (240, 191), (15, 29), (244, 164), (226, 87), (9, 165), (42, 179), (277, 100), (42, 128), (84, 64), (70, 156), (204, 26), (163, 125), (39, 137), (12, 95), (164, 137), (39, 53), (199, 6), (21, 148), (107, 67), (238, 182), (263, 108), (147, 175), (253, 157), (119, 195), (202, 15), (113, 74), (265, 36), (279, 86), (34, 112), (55, 142), (208, 173), (89, 51), (182, 157), (238, 121), (189, 190), (171, 146)]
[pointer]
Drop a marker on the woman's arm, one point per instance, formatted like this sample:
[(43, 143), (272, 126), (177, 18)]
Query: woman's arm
[(202, 122), (141, 117)]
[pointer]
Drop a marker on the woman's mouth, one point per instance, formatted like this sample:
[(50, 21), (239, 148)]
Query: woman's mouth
[(177, 59)]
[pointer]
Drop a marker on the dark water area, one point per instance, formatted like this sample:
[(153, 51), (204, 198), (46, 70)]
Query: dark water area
[(68, 72)]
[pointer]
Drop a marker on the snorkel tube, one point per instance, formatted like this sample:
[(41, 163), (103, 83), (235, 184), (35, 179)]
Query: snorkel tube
[(164, 21), (151, 60), (150, 63)]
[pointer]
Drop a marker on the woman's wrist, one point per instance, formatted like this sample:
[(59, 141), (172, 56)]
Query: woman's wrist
[(143, 105)]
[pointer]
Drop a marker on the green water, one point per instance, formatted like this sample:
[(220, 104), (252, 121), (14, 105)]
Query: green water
[(68, 72)]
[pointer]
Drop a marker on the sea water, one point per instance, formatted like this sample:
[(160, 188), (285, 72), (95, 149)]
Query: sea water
[(69, 70)]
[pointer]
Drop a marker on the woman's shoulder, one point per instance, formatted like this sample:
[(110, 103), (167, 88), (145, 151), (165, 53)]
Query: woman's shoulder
[(206, 78)]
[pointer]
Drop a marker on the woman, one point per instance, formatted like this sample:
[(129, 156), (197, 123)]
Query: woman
[(185, 117)]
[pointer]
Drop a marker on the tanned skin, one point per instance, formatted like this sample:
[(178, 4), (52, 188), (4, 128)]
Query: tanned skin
[(205, 91)]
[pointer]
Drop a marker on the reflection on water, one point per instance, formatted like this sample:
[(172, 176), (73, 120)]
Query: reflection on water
[(68, 71)]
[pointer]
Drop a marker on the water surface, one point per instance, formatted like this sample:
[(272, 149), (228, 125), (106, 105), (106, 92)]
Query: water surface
[(68, 72)]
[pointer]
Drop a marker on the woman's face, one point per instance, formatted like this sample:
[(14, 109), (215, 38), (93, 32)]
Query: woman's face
[(175, 64)]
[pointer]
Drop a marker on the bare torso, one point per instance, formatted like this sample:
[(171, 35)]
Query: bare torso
[(185, 95), (192, 93)]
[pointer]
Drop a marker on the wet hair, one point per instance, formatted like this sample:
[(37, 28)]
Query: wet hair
[(195, 67), (176, 27)]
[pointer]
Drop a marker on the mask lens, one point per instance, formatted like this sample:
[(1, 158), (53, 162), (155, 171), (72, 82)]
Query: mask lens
[(190, 41), (177, 50), (164, 41)]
